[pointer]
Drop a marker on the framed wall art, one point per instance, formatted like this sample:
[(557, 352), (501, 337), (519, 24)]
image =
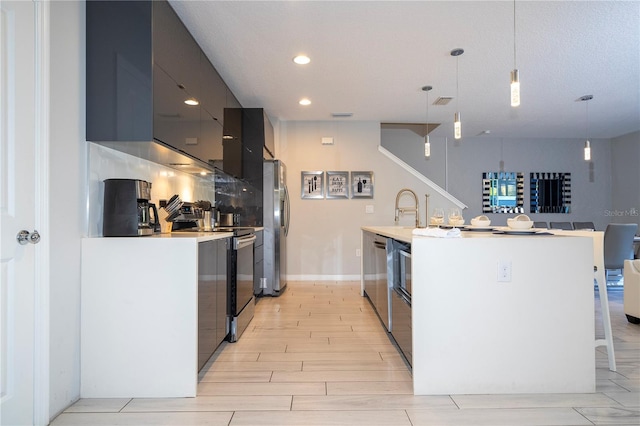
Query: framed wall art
[(337, 184), (312, 184), (361, 184)]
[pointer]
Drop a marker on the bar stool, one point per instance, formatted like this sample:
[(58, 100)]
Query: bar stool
[(606, 318)]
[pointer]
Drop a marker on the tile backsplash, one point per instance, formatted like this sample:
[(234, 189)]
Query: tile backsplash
[(105, 163)]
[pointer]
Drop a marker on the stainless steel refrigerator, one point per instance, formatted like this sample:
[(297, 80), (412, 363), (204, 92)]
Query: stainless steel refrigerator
[(276, 227)]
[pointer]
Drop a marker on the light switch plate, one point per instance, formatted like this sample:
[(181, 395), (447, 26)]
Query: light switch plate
[(504, 271), (368, 208), (327, 141)]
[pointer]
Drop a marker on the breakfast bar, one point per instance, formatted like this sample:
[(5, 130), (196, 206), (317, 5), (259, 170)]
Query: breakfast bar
[(495, 314)]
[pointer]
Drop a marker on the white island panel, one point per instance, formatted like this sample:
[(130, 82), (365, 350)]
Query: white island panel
[(475, 335), (139, 317)]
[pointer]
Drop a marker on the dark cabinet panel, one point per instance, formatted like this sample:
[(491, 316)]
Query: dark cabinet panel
[(174, 49), (221, 291), (214, 90), (209, 146), (142, 64), (245, 133), (232, 143), (212, 297), (174, 122), (119, 71)]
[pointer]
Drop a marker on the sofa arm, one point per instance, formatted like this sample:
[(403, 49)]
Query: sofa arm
[(632, 290)]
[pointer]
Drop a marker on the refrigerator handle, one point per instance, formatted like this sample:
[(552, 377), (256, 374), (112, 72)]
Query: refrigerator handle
[(287, 210)]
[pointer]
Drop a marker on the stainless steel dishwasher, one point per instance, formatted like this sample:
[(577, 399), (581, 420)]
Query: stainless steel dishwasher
[(401, 302), (376, 281), (382, 280)]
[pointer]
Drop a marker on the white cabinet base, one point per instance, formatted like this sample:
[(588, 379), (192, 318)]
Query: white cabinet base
[(475, 335), (139, 317)]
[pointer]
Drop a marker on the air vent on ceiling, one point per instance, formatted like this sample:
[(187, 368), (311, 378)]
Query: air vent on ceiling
[(443, 100), (341, 114)]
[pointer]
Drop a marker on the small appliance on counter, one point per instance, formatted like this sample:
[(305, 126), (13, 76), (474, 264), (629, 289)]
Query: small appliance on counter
[(127, 211), (182, 215)]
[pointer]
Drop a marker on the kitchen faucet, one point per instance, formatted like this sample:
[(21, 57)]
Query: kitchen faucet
[(415, 209)]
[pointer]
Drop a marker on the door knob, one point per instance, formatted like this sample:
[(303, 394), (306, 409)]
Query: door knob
[(25, 237)]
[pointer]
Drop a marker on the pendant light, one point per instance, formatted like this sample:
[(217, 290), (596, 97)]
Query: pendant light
[(457, 124), (587, 144), (427, 145), (515, 75)]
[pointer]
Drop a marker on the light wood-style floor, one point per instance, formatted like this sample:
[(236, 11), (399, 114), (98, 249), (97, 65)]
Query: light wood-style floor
[(317, 355)]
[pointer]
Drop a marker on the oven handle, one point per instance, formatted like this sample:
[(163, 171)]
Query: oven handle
[(242, 242)]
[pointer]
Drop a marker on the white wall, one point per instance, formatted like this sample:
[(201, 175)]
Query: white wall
[(468, 158), (325, 234), (67, 206), (625, 170), (106, 163)]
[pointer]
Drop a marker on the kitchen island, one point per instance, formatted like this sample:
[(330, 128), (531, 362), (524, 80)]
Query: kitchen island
[(139, 307), (479, 330)]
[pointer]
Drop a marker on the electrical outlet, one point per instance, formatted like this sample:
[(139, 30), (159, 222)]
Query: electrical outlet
[(368, 208), (357, 252), (504, 271)]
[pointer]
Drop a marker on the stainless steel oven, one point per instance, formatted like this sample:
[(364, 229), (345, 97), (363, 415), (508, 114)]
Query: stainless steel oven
[(241, 303)]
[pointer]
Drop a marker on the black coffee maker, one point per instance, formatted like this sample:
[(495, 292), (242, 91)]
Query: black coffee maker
[(127, 210)]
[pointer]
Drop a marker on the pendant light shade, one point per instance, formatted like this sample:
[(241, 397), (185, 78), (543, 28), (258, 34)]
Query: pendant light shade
[(515, 88), (515, 74), (587, 151), (587, 144), (457, 125), (427, 144)]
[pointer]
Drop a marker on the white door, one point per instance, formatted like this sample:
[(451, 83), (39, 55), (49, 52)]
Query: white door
[(20, 104)]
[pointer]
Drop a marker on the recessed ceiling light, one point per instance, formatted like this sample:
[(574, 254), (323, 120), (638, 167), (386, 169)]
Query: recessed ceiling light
[(304, 101), (302, 59), (191, 101)]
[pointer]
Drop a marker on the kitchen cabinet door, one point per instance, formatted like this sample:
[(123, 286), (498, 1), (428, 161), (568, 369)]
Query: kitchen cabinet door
[(175, 50), (222, 328), (174, 122), (214, 90), (119, 71), (209, 146), (207, 301), (369, 266)]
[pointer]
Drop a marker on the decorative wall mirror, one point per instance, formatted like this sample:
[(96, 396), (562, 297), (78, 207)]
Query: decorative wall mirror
[(550, 192), (503, 192)]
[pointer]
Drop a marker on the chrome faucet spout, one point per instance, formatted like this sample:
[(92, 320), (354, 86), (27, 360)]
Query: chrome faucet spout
[(415, 208)]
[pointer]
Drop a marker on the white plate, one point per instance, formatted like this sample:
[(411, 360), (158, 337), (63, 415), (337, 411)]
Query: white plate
[(480, 228), (519, 231)]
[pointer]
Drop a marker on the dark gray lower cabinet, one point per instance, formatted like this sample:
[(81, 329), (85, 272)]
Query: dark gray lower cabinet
[(212, 297)]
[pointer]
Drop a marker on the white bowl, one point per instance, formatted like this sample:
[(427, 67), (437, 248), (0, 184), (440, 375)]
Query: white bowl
[(519, 224), (481, 221)]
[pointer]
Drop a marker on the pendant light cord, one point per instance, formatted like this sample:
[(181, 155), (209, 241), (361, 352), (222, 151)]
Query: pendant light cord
[(457, 82), (514, 35), (587, 123)]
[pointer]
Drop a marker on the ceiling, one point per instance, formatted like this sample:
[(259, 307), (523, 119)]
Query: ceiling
[(371, 59)]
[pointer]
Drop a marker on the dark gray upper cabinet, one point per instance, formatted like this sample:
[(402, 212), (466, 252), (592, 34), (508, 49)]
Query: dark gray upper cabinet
[(174, 50), (247, 136), (214, 90), (119, 71), (142, 65)]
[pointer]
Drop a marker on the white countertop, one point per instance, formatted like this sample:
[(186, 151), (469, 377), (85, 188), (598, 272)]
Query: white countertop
[(197, 236), (404, 233)]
